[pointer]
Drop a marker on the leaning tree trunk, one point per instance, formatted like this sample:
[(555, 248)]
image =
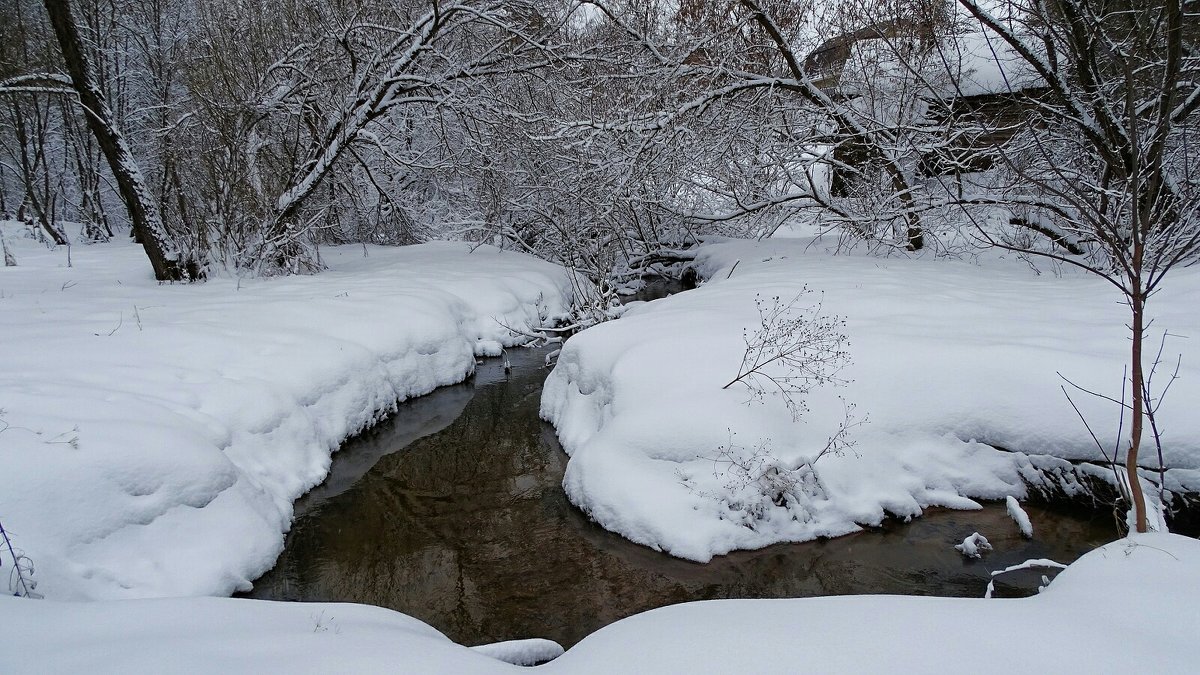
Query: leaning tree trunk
[(148, 227)]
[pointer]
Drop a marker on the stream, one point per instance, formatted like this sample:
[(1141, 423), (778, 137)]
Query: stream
[(452, 511)]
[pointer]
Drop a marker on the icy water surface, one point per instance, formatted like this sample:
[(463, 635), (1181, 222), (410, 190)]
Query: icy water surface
[(453, 512)]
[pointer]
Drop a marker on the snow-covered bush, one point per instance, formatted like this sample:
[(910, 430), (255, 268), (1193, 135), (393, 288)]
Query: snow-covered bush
[(20, 577), (754, 485), (794, 348)]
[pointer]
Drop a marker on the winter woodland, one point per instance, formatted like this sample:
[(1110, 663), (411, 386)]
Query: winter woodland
[(945, 251)]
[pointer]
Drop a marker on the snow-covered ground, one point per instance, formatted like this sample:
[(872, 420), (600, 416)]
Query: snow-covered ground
[(155, 436), (948, 360), (1140, 593), (1138, 596)]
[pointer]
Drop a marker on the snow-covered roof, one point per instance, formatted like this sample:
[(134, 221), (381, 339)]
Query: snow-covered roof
[(974, 64), (983, 63)]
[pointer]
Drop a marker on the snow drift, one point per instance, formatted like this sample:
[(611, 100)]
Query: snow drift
[(157, 435), (951, 361), (1143, 589)]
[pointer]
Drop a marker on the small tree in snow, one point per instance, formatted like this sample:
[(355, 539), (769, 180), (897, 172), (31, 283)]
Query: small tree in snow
[(794, 349), (1109, 163)]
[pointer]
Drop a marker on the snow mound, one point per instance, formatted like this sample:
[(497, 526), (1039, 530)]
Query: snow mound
[(223, 635), (1144, 588), (974, 546), (951, 362), (157, 435), (529, 652), (1019, 517)]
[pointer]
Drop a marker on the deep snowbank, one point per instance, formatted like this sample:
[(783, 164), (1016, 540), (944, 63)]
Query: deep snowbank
[(1139, 595), (158, 435), (944, 354)]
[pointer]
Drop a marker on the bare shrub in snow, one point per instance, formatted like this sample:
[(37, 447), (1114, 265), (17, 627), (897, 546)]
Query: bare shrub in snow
[(20, 577), (794, 349), (753, 482)]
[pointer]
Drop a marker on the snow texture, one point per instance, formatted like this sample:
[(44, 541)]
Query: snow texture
[(1019, 516), (955, 368), (157, 435), (1144, 589)]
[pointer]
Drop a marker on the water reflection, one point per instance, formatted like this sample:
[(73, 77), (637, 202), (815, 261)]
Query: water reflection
[(467, 528)]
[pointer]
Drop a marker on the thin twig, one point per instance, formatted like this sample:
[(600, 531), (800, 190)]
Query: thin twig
[(1093, 393)]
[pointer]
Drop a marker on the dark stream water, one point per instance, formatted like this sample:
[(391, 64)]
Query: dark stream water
[(453, 512)]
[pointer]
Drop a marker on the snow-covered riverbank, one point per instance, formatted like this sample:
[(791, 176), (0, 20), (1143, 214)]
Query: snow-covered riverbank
[(155, 437), (1136, 596), (947, 358)]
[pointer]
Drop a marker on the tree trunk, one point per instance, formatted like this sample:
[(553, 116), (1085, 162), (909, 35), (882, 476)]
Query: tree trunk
[(9, 259), (1137, 302), (148, 227), (870, 144), (3, 195)]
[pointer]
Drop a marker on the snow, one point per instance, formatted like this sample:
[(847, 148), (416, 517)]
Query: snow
[(1133, 584), (1019, 516), (974, 63), (1143, 590), (1027, 565), (224, 635), (983, 63), (157, 435), (974, 546), (952, 360), (528, 652)]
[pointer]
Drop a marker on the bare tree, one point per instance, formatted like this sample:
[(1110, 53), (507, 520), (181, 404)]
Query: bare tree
[(741, 75), (1109, 161), (31, 146), (319, 106), (165, 257)]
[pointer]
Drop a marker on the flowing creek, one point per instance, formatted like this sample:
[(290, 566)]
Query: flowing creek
[(452, 511)]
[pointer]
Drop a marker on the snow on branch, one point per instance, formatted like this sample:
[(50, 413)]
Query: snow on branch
[(38, 83), (1027, 565)]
